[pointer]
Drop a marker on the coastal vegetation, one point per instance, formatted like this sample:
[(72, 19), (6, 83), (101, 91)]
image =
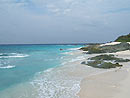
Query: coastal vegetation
[(105, 61), (92, 49), (109, 58), (124, 38), (102, 64)]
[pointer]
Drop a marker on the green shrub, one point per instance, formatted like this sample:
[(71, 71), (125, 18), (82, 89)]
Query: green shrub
[(125, 38), (102, 64), (92, 49), (109, 57), (106, 49)]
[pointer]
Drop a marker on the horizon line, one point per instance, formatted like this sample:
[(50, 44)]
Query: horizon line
[(51, 43)]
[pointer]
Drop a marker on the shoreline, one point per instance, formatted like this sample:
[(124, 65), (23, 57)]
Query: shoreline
[(75, 80), (84, 71)]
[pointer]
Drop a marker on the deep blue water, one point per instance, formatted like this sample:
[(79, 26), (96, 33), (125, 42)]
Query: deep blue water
[(19, 63)]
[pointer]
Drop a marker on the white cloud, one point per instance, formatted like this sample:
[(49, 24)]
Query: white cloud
[(63, 16), (66, 11)]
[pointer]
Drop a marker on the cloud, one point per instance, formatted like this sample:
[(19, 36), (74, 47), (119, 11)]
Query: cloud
[(119, 10), (52, 18)]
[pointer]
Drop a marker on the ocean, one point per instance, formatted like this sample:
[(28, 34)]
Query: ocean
[(33, 71)]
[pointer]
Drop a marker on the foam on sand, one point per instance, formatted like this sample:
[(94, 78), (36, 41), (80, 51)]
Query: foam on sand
[(55, 84)]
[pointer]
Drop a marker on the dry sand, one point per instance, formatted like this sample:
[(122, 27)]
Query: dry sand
[(112, 43), (111, 84)]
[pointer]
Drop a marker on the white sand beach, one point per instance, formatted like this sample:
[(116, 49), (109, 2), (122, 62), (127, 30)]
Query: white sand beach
[(112, 43), (112, 83)]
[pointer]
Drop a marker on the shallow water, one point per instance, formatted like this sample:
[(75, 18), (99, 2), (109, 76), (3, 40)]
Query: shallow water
[(31, 71)]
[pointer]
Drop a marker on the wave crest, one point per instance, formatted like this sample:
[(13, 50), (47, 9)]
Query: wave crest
[(6, 67), (12, 55)]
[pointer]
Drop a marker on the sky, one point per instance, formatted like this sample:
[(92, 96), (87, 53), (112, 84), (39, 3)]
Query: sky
[(63, 21)]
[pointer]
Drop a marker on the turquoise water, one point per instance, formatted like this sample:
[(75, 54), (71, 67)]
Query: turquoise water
[(19, 63)]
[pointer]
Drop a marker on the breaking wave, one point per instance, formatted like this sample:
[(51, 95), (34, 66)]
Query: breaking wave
[(6, 67), (12, 55), (55, 84)]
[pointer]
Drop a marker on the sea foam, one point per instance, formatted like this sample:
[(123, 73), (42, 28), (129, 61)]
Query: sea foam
[(7, 67), (53, 83), (12, 55), (74, 48)]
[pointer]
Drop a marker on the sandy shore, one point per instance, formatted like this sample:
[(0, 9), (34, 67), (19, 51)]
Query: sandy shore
[(112, 43), (114, 83), (76, 80)]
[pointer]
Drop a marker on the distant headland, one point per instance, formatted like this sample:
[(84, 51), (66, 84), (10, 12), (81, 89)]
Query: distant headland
[(123, 38)]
